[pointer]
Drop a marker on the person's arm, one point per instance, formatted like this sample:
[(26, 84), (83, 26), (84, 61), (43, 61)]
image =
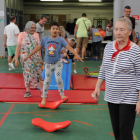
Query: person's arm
[(138, 106), (17, 54), (34, 51), (134, 35), (75, 30), (73, 51), (5, 36), (90, 28), (38, 41), (17, 35), (137, 73), (105, 28), (96, 92)]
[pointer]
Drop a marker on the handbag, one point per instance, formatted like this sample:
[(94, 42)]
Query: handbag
[(88, 32), (96, 34)]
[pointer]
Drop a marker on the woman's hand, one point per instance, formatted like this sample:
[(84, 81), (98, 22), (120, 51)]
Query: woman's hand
[(138, 108), (42, 63), (96, 94), (26, 58), (17, 63), (75, 36)]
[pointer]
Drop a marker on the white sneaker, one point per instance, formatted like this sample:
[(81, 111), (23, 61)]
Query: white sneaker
[(11, 66), (75, 71)]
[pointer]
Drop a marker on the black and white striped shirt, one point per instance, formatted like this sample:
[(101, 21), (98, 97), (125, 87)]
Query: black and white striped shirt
[(122, 75)]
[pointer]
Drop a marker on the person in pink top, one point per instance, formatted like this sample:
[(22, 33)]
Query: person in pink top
[(32, 71)]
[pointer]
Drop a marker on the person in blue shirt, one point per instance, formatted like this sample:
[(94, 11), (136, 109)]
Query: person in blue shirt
[(53, 61)]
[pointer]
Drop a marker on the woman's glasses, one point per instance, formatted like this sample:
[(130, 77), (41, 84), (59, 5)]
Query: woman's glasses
[(33, 27)]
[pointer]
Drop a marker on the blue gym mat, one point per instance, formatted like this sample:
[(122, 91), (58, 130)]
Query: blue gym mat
[(66, 77)]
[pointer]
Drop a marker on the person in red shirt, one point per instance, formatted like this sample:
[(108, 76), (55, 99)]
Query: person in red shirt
[(101, 31)]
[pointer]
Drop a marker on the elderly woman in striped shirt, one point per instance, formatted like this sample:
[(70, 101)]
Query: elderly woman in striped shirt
[(121, 71)]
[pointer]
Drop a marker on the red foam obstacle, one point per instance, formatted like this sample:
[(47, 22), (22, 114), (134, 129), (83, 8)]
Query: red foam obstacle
[(81, 82), (75, 96), (53, 105), (48, 126)]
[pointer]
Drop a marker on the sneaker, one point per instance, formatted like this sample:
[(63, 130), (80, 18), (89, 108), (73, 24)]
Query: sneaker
[(27, 94), (74, 71), (11, 66), (93, 58)]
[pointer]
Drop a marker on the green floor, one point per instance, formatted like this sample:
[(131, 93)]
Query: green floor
[(89, 121)]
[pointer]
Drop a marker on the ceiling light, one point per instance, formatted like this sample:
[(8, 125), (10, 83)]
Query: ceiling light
[(51, 0), (90, 0)]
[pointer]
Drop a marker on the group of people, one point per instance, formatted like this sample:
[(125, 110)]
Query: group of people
[(120, 67), (32, 39), (85, 31)]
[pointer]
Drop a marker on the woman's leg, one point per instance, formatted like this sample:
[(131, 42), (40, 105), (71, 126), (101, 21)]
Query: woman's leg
[(48, 76), (27, 94), (58, 77), (28, 87), (114, 115), (127, 116)]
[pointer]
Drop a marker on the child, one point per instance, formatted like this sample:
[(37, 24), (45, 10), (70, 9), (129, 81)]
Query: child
[(53, 62), (101, 31), (71, 55), (138, 42)]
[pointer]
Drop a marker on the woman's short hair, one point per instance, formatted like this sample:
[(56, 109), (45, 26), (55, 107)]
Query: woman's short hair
[(29, 25), (127, 21)]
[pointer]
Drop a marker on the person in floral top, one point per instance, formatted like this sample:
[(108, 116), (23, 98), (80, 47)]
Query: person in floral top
[(32, 71)]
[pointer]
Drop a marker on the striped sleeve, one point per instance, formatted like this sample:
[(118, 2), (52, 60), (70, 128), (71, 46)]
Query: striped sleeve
[(137, 69)]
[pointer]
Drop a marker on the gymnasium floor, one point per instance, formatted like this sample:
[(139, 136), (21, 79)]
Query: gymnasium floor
[(89, 121)]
